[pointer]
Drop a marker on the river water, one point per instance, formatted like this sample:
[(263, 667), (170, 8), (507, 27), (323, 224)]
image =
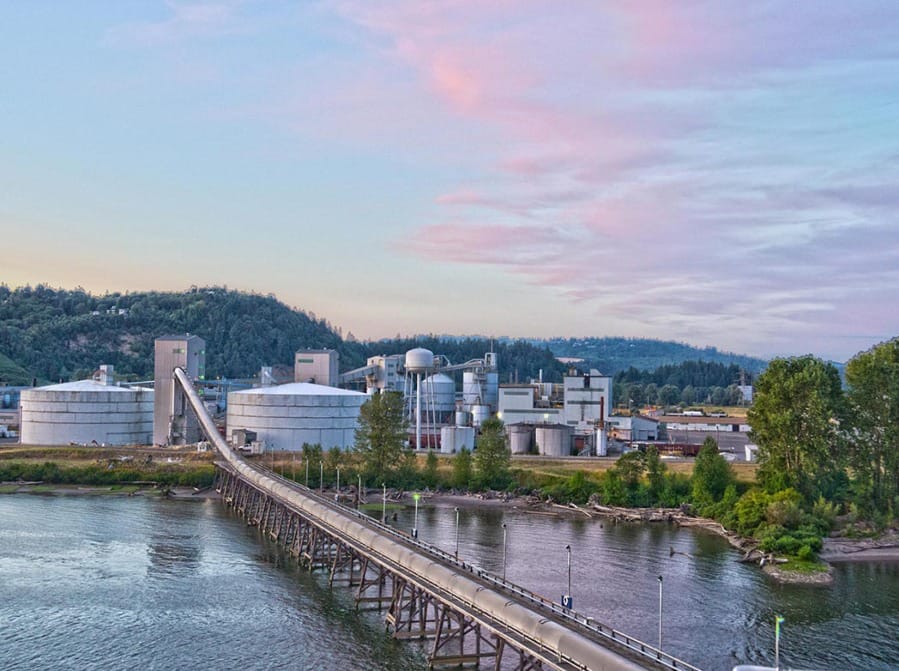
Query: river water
[(106, 583)]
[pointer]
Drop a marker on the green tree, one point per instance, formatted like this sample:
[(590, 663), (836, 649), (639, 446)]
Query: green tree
[(795, 418), (711, 474), (380, 436), (429, 474), (492, 458), (462, 469), (873, 379), (655, 473)]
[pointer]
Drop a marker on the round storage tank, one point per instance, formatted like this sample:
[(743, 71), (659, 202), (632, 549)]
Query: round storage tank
[(288, 415), (479, 413), (86, 412), (463, 418), (520, 438), (438, 394), (419, 360), (554, 440), (472, 394), (454, 438)]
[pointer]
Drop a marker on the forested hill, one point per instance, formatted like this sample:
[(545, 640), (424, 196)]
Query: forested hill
[(611, 355), (56, 334), (61, 335)]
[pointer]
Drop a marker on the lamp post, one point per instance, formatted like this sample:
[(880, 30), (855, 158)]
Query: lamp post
[(778, 620), (504, 551), (359, 490), (337, 495), (415, 496), (293, 467), (384, 503), (321, 478), (568, 598), (457, 532), (307, 471), (660, 612)]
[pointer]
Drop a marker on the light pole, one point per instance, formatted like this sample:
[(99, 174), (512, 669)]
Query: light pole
[(307, 472), (778, 620), (568, 594), (504, 551), (359, 490), (321, 478), (457, 532), (415, 496), (384, 503), (337, 495), (293, 467), (660, 612)]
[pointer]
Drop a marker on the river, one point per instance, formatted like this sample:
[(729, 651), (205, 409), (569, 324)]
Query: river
[(101, 582)]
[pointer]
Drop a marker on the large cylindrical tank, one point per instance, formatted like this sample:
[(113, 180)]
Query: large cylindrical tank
[(454, 438), (419, 360), (438, 394), (554, 440), (472, 394), (479, 413), (520, 436), (85, 412), (288, 415), (463, 418)]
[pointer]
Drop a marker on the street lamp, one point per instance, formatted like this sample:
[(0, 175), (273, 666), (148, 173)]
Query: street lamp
[(660, 612), (359, 490), (307, 471), (457, 532), (504, 551), (321, 478), (384, 503), (567, 601), (415, 496), (337, 495)]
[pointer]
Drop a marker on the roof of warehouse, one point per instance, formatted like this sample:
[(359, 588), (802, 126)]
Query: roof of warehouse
[(301, 389)]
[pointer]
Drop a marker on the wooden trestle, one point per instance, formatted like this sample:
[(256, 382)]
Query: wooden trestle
[(411, 611)]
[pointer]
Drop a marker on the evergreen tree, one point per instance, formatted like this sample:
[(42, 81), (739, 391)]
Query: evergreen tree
[(492, 458), (381, 435), (462, 469), (711, 474)]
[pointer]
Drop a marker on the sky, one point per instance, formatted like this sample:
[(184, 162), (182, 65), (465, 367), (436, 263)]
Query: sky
[(719, 173)]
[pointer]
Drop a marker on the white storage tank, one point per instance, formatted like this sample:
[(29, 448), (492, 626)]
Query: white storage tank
[(602, 443), (463, 418), (454, 438), (479, 414), (472, 394), (554, 440), (520, 436), (438, 394), (288, 415), (86, 412)]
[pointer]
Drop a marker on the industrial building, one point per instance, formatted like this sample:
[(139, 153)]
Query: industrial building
[(87, 412), (173, 423)]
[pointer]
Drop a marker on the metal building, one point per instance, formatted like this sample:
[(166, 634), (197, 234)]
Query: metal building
[(87, 412), (286, 416), (318, 366), (173, 423)]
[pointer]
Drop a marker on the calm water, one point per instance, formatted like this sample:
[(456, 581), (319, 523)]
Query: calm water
[(101, 582)]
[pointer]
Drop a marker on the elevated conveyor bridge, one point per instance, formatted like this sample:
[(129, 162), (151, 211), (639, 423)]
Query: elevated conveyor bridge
[(472, 617)]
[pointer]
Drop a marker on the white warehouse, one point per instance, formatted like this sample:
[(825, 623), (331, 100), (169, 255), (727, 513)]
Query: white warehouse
[(288, 415)]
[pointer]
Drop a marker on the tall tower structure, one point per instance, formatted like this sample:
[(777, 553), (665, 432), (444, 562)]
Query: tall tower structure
[(319, 366), (173, 422)]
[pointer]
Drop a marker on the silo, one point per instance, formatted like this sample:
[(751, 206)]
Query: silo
[(472, 394), (479, 413), (463, 418), (554, 440), (454, 438), (438, 394), (519, 438), (288, 415), (86, 412), (602, 443)]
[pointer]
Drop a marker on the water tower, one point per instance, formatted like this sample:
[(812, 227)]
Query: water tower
[(418, 361)]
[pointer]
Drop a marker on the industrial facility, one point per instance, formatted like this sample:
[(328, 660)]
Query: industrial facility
[(445, 404)]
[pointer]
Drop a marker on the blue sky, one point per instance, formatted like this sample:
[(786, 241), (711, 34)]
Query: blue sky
[(719, 173)]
